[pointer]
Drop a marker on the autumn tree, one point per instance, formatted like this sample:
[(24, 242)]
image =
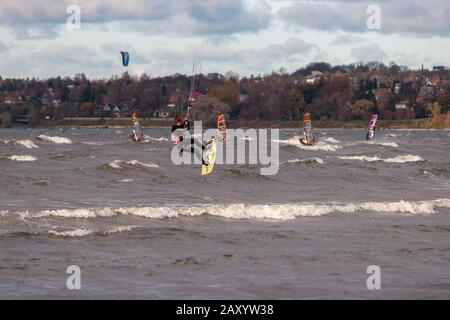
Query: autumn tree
[(361, 109), (227, 93), (207, 108)]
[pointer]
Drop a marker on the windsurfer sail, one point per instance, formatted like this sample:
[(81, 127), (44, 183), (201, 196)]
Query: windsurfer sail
[(221, 128), (372, 127), (309, 136)]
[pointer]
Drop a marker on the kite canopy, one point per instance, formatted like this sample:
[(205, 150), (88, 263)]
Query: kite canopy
[(125, 58)]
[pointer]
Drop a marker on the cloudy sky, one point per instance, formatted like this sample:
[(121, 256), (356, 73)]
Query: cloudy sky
[(246, 36)]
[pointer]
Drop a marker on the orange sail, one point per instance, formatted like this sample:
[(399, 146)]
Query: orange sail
[(308, 131), (221, 127)]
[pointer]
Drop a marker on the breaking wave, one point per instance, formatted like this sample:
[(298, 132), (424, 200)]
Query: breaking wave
[(24, 158), (398, 159), (94, 143), (57, 140), (305, 161), (86, 232), (25, 143), (320, 146), (71, 233), (250, 211), (120, 164), (161, 139), (331, 140), (387, 144), (383, 144)]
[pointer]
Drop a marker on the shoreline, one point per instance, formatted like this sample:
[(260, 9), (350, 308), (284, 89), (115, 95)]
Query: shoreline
[(152, 123)]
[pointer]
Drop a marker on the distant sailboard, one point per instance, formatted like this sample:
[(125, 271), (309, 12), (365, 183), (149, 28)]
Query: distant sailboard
[(372, 127), (308, 138), (125, 58), (209, 157)]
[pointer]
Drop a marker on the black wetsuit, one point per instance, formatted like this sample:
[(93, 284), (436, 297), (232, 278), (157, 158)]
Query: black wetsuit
[(185, 126)]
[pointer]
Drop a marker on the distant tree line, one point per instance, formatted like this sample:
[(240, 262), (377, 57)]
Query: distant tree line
[(345, 92)]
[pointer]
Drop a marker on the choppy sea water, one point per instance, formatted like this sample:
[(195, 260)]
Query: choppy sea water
[(139, 226)]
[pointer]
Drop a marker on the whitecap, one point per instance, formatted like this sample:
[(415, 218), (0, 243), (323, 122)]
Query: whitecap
[(22, 158), (57, 140), (253, 211)]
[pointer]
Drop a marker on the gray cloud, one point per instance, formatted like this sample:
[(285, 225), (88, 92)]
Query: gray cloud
[(367, 53), (262, 59), (176, 16), (52, 60), (347, 39), (3, 47), (104, 61), (397, 16)]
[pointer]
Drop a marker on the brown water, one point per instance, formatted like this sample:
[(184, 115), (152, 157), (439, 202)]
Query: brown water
[(140, 227)]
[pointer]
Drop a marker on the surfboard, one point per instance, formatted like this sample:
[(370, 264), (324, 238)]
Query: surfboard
[(209, 158)]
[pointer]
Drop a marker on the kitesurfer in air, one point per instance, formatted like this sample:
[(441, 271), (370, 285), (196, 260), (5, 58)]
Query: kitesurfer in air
[(182, 125), (185, 125)]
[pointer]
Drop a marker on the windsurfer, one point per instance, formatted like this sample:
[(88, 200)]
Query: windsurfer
[(137, 134)]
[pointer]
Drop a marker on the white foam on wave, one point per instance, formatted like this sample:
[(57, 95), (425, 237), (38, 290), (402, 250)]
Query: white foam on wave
[(125, 180), (71, 233), (23, 142), (119, 164), (22, 158), (398, 159), (117, 230), (93, 143), (3, 213), (86, 232), (387, 144), (404, 159), (251, 211), (320, 146), (161, 139), (361, 158), (57, 140), (331, 140), (309, 160), (374, 143)]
